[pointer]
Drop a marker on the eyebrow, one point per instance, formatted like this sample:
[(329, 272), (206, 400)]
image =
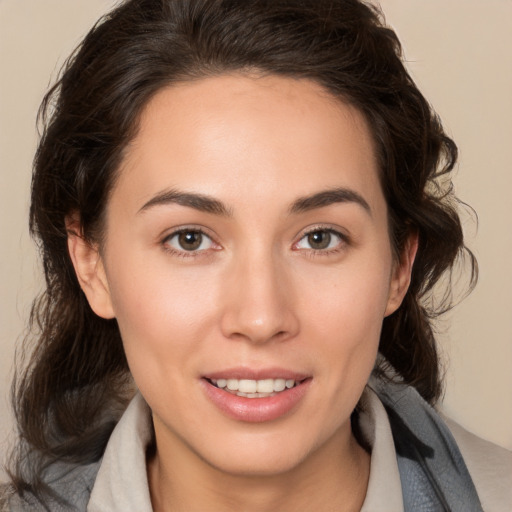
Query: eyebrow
[(209, 204), (194, 200), (328, 197)]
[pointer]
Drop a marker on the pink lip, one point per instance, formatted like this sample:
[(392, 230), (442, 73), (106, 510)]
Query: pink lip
[(256, 410)]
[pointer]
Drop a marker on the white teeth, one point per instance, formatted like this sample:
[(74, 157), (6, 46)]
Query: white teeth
[(255, 388), (232, 384), (247, 386), (279, 385), (265, 386)]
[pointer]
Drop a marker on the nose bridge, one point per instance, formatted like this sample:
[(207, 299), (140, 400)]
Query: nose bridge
[(259, 305)]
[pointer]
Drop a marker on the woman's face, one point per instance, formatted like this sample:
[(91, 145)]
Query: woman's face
[(247, 246)]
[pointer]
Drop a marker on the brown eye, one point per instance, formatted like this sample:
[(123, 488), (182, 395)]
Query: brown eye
[(319, 239), (189, 241)]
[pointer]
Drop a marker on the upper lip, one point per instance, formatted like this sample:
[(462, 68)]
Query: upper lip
[(256, 374)]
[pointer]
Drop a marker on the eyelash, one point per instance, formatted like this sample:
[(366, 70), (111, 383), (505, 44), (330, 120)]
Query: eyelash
[(344, 240), (184, 253)]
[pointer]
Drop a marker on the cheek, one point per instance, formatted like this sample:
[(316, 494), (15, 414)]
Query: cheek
[(350, 300), (149, 292), (345, 318), (162, 314), (349, 325)]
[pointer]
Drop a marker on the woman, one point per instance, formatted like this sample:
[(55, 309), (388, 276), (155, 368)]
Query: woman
[(240, 212)]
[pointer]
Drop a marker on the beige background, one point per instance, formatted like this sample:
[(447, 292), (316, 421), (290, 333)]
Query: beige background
[(460, 53)]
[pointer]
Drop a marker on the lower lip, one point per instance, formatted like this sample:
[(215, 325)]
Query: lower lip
[(256, 410)]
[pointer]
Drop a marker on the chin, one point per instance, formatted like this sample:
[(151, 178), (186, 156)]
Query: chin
[(267, 456), (257, 466)]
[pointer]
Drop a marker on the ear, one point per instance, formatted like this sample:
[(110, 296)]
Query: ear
[(89, 269), (401, 277)]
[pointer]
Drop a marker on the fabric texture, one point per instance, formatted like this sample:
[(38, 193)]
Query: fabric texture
[(432, 471), (416, 465)]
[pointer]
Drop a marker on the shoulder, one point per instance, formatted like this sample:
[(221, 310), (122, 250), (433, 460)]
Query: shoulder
[(468, 473), (489, 465)]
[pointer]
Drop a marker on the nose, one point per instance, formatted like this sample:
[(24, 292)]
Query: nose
[(258, 300)]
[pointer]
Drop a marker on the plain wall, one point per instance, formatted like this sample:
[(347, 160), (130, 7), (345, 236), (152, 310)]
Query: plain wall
[(459, 52)]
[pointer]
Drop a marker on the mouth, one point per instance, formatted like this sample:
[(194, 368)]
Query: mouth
[(267, 396), (249, 388)]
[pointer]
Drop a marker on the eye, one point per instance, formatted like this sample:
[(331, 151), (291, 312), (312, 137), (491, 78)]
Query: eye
[(320, 240), (189, 240)]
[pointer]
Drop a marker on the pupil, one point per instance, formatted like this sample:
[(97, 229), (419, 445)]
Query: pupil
[(190, 240), (319, 239)]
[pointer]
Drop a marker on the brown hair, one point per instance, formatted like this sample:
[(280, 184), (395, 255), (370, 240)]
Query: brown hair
[(70, 394)]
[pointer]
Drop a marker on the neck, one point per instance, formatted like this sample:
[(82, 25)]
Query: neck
[(335, 477)]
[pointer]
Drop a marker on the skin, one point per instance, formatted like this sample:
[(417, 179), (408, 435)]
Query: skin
[(255, 294)]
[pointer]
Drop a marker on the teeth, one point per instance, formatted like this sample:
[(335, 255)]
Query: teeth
[(232, 384), (265, 386), (279, 384), (247, 386), (257, 388)]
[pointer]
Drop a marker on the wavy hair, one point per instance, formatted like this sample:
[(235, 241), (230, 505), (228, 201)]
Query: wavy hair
[(75, 381)]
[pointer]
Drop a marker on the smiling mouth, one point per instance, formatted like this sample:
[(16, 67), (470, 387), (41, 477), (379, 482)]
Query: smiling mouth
[(248, 388)]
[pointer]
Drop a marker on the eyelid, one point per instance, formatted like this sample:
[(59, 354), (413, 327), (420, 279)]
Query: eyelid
[(168, 235), (344, 238)]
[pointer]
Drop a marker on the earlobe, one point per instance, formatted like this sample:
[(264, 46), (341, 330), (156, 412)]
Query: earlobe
[(89, 269), (402, 272)]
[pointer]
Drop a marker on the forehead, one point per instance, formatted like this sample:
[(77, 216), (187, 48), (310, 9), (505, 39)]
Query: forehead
[(237, 136)]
